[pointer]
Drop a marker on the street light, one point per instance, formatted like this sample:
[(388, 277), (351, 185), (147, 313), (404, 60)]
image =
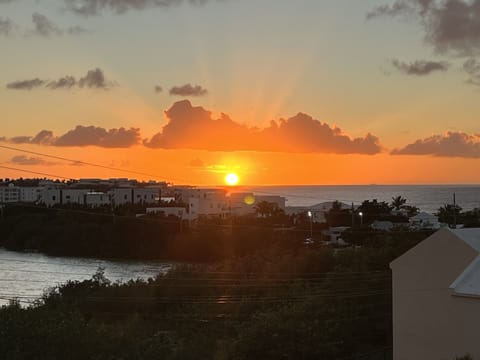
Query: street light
[(310, 215), (361, 218)]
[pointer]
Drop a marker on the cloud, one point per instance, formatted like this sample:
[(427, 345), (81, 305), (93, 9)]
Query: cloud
[(43, 26), (472, 68), (46, 28), (420, 67), (96, 7), (94, 79), (452, 144), (44, 137), (451, 26), (7, 26), (188, 90), (194, 128), (157, 89), (20, 139), (91, 135), (26, 84), (83, 136), (24, 160), (197, 163)]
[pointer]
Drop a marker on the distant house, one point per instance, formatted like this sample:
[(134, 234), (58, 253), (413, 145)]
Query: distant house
[(436, 297), (424, 220)]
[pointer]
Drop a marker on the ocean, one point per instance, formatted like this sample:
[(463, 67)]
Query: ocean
[(426, 197)]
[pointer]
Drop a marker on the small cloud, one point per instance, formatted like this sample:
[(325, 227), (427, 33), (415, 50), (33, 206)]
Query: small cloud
[(157, 89), (96, 7), (83, 136), (197, 163), (420, 67), (26, 84), (188, 90), (43, 26), (7, 26), (398, 8), (94, 79), (24, 160), (452, 144), (20, 139), (472, 68)]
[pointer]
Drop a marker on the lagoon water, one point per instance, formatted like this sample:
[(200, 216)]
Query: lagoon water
[(27, 275)]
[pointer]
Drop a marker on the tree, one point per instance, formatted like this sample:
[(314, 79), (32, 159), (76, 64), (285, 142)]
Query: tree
[(449, 214), (267, 209), (398, 202)]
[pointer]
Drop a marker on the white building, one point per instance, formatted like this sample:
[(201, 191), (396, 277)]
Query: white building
[(208, 204), (436, 297), (146, 195), (95, 199), (50, 197), (9, 194), (30, 194)]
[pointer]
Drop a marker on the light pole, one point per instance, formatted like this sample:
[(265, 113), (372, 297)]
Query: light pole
[(310, 215), (361, 218)]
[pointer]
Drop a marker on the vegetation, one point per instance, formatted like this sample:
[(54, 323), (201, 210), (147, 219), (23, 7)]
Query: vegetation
[(273, 304)]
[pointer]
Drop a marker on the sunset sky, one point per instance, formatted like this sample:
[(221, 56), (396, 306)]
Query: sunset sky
[(278, 91)]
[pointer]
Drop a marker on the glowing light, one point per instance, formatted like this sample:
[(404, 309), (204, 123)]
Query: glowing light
[(231, 179), (249, 200)]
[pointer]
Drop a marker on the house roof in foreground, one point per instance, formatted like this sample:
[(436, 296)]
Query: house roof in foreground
[(468, 283)]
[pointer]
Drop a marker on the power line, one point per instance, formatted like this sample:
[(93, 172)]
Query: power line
[(76, 161)]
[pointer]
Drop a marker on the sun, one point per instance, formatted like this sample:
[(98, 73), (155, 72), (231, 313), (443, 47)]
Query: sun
[(231, 179)]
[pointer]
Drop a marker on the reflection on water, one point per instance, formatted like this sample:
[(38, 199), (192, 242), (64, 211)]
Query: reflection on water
[(25, 276)]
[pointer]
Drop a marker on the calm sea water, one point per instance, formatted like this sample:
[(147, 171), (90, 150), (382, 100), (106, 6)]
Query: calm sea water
[(26, 276), (427, 197)]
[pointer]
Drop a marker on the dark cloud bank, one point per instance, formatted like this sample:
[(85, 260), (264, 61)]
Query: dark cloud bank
[(94, 79), (194, 128)]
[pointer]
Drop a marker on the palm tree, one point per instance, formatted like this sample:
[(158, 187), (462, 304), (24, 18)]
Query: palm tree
[(398, 202)]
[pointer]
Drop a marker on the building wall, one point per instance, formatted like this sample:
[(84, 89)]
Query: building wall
[(146, 195), (121, 196), (30, 194), (50, 197), (9, 194), (428, 321)]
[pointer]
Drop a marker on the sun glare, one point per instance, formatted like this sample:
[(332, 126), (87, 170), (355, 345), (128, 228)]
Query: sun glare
[(231, 179)]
